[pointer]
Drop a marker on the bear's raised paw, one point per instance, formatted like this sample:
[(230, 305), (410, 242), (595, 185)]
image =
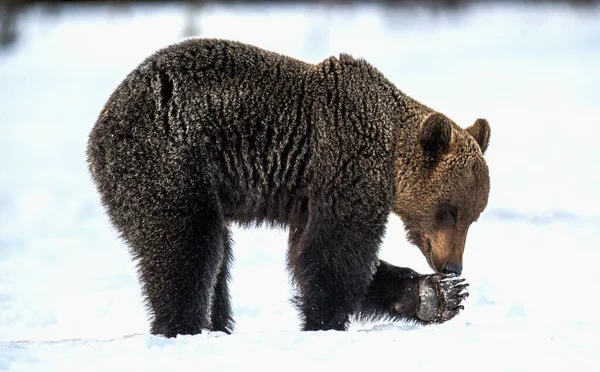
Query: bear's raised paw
[(440, 297)]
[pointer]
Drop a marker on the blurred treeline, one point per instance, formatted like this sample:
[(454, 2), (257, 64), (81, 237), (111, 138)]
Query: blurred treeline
[(10, 10)]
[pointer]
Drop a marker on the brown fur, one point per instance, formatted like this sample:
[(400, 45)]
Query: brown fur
[(208, 132), (440, 182)]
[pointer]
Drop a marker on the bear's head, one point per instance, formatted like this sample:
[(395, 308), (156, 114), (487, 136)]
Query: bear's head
[(443, 185)]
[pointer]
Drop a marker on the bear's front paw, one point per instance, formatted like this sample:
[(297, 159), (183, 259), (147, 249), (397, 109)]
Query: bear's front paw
[(440, 297)]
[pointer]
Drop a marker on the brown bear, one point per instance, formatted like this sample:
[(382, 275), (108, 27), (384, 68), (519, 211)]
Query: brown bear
[(207, 132)]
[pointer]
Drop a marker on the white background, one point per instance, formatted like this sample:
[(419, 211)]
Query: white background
[(69, 296)]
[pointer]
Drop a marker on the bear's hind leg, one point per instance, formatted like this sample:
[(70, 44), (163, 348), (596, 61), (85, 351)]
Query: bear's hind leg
[(179, 252), (221, 313)]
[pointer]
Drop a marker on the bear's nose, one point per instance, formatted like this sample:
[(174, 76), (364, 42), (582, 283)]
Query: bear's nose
[(452, 268)]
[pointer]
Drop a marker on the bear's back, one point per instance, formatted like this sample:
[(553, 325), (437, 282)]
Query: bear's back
[(227, 110)]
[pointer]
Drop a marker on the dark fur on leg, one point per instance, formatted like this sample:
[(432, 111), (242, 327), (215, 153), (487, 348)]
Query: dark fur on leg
[(178, 267), (392, 295), (222, 314), (333, 272)]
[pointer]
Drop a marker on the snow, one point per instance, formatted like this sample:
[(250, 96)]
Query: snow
[(69, 296)]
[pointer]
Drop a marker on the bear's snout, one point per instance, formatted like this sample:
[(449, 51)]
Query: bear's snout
[(445, 251)]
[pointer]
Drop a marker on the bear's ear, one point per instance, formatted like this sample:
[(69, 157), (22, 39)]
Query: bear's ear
[(435, 134), (481, 132)]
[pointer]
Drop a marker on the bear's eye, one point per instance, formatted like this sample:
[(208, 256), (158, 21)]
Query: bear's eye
[(447, 217)]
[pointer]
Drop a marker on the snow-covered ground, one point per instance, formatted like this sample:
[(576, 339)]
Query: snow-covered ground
[(69, 297)]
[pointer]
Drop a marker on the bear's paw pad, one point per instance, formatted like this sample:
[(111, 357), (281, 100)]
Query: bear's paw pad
[(441, 297)]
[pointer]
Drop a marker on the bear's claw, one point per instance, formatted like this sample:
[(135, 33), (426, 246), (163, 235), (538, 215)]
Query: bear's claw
[(440, 297)]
